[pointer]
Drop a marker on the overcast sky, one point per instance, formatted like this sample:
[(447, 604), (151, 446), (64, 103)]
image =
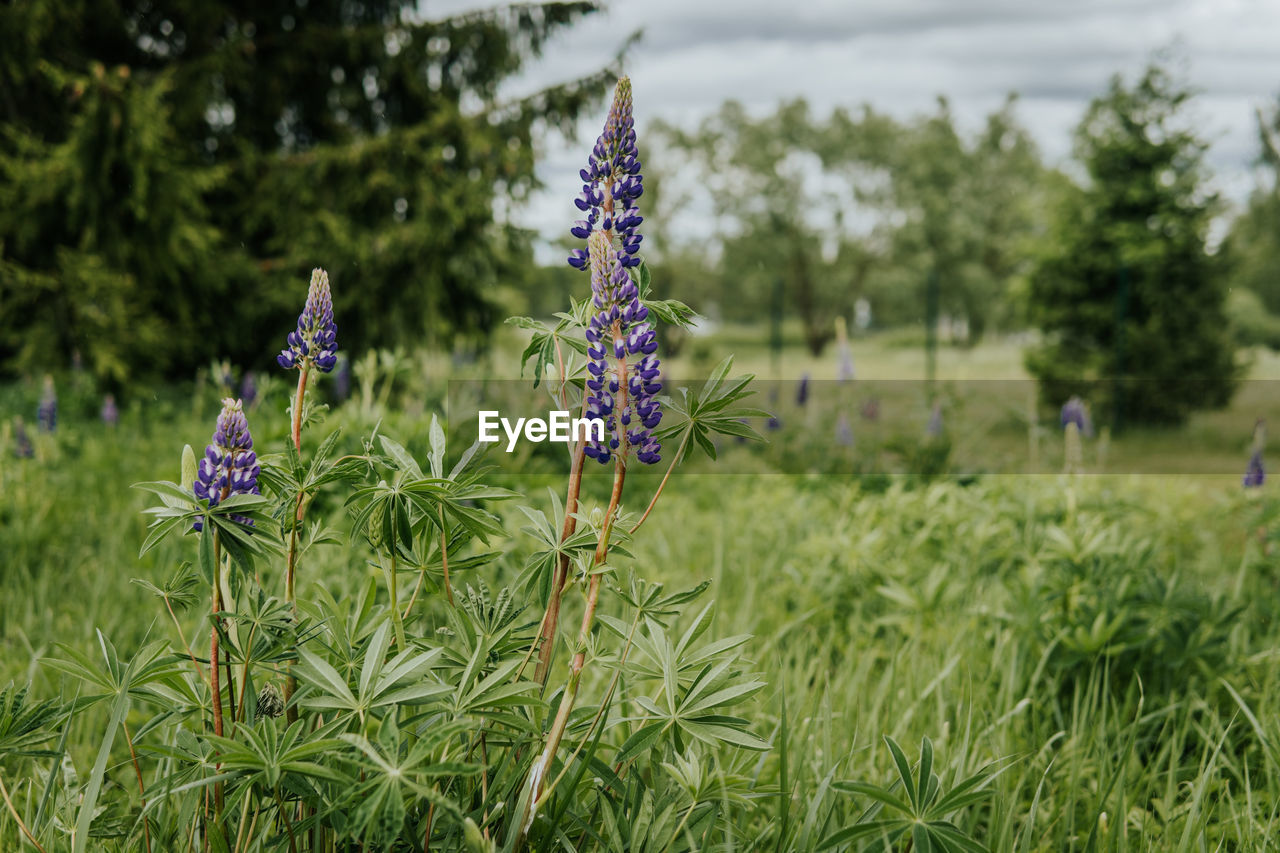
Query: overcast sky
[(900, 55)]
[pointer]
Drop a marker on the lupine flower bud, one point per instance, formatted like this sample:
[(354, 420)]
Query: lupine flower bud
[(619, 391), (1075, 412), (229, 467), (1255, 474), (110, 413), (802, 390), (188, 469), (315, 342), (611, 185), (270, 702), (47, 411), (21, 441)]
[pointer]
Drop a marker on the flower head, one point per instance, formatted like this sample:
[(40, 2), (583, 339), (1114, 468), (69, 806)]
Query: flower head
[(315, 342), (249, 388), (110, 412), (1255, 474), (229, 467), (47, 411), (623, 370), (611, 185), (1075, 412), (802, 390)]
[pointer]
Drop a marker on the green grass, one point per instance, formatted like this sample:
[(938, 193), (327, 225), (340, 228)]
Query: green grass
[(1107, 642)]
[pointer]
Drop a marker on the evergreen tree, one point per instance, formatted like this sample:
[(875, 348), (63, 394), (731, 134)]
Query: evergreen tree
[(170, 170), (1130, 301)]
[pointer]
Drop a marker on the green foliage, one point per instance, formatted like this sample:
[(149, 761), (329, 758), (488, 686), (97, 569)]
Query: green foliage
[(169, 172), (1130, 301)]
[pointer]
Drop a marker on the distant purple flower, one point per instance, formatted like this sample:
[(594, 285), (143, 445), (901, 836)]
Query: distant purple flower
[(315, 342), (621, 392), (802, 390), (249, 388), (21, 441), (47, 411), (110, 413), (611, 185), (342, 379), (844, 431), (1075, 412), (229, 467), (1255, 475), (934, 427)]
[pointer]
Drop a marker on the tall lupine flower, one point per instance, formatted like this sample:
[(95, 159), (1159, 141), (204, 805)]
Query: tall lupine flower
[(620, 391), (315, 342), (802, 391), (249, 388), (611, 185), (342, 379), (1075, 412), (47, 410), (1255, 475), (229, 467), (110, 413)]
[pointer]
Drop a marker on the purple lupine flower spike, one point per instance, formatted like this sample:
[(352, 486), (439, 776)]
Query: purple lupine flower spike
[(1075, 412), (315, 342), (611, 184), (620, 391), (110, 412), (342, 379), (21, 441), (47, 411), (802, 391), (229, 467), (249, 388), (1255, 475)]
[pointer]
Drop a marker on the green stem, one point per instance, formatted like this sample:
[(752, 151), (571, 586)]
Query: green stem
[(392, 588)]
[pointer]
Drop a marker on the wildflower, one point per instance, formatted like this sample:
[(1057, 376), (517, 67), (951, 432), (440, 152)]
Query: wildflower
[(342, 379), (1255, 474), (316, 340), (229, 467), (621, 392), (47, 411), (611, 184), (1075, 412), (773, 423), (844, 431), (21, 441), (249, 388), (802, 390), (110, 414), (934, 427)]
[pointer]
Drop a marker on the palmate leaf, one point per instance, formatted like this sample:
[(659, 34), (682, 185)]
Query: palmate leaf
[(673, 312), (715, 409), (541, 350)]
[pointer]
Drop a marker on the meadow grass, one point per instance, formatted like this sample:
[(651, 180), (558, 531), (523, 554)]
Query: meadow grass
[(1105, 646)]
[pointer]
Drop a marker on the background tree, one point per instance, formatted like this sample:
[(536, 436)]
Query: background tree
[(1251, 250), (174, 168), (1127, 290)]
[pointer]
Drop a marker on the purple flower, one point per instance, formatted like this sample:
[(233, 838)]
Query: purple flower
[(110, 413), (1255, 475), (47, 411), (249, 388), (934, 427), (844, 431), (622, 381), (21, 441), (229, 467), (342, 379), (611, 185), (802, 390), (1074, 412), (315, 342)]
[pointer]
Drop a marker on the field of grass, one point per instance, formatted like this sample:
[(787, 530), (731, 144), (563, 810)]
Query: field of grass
[(1099, 649)]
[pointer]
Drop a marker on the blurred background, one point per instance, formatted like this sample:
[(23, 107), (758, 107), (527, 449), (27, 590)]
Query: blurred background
[(1080, 195)]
